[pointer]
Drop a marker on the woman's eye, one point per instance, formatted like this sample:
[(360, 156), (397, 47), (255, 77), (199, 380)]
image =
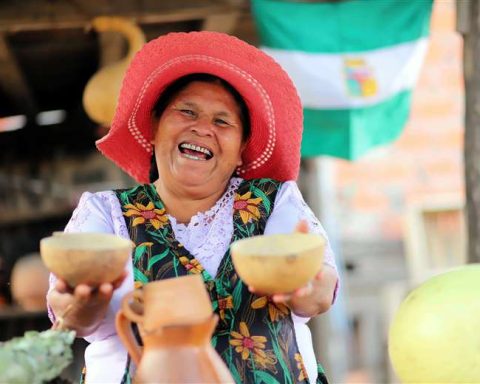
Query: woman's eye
[(187, 112), (221, 122)]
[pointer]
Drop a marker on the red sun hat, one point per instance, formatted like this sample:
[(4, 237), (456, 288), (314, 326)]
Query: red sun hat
[(276, 117)]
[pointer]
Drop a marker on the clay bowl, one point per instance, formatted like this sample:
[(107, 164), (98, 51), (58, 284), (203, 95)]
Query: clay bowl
[(89, 258), (278, 263)]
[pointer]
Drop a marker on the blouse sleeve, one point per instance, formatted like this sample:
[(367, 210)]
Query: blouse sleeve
[(91, 215), (289, 209), (100, 212)]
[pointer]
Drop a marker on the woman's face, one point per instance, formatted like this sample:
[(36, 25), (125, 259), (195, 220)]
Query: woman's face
[(198, 138)]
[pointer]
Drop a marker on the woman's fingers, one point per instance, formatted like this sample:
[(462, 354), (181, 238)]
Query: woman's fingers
[(60, 299), (83, 308), (305, 290), (82, 292), (319, 275), (285, 297), (117, 282), (105, 291), (61, 286), (276, 298), (252, 290), (85, 293), (281, 297), (300, 292), (302, 227)]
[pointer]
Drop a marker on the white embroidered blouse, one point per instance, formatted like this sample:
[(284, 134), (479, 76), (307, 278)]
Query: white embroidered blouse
[(207, 237)]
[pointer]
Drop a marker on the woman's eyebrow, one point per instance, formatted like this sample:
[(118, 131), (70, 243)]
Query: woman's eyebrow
[(191, 104), (187, 103), (223, 114)]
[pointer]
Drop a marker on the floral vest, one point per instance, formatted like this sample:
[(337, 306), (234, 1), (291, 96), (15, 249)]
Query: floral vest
[(255, 337)]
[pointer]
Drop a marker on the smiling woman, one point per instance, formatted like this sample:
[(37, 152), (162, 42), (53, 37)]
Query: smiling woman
[(210, 127), (230, 116), (198, 141)]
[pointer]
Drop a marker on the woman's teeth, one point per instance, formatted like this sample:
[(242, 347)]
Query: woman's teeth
[(195, 152), (191, 157)]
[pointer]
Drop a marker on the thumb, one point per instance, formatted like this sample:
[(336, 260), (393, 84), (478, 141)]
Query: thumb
[(302, 227)]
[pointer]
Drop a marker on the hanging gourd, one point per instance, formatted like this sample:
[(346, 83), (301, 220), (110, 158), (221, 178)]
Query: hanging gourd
[(102, 90)]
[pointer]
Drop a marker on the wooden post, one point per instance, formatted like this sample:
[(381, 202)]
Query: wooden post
[(329, 339), (468, 23), (13, 81)]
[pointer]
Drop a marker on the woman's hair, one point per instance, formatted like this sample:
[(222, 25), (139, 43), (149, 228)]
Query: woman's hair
[(178, 85)]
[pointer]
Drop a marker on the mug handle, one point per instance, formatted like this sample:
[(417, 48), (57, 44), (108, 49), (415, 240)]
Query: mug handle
[(123, 322)]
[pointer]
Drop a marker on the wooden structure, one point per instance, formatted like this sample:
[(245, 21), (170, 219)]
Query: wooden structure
[(468, 24), (48, 49), (435, 237), (48, 52)]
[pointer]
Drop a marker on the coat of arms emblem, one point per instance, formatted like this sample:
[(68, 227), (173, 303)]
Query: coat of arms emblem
[(360, 79)]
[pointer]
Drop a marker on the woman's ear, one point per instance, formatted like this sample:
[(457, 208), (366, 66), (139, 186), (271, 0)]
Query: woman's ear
[(154, 121), (240, 157)]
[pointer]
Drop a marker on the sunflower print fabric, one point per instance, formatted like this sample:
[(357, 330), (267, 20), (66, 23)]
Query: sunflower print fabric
[(255, 336)]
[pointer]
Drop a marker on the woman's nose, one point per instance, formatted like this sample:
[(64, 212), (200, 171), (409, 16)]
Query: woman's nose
[(202, 127)]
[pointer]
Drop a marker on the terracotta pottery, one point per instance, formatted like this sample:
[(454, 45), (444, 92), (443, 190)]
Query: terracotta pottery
[(29, 283), (89, 258), (102, 90), (278, 263), (175, 321)]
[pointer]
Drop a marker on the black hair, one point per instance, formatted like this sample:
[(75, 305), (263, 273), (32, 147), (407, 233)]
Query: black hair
[(178, 85)]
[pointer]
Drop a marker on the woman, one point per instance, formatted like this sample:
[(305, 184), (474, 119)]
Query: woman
[(213, 127)]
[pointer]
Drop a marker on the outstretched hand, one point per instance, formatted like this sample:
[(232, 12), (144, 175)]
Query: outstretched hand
[(285, 298), (84, 291), (83, 307)]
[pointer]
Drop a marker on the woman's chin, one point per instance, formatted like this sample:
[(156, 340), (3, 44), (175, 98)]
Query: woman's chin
[(201, 181), (194, 177), (195, 181), (199, 174)]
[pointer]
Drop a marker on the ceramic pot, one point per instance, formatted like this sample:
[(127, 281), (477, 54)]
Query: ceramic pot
[(175, 321)]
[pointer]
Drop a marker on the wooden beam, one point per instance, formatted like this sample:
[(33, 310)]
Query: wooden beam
[(462, 16), (72, 20), (13, 82), (471, 65), (221, 22)]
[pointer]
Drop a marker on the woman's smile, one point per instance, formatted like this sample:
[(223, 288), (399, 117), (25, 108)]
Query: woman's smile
[(195, 152)]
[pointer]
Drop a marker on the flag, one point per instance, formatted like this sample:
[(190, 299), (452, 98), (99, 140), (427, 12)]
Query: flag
[(354, 63)]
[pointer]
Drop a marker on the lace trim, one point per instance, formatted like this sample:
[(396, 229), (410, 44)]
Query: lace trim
[(207, 236), (209, 216)]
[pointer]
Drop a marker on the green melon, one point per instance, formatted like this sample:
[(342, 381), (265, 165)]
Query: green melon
[(435, 335)]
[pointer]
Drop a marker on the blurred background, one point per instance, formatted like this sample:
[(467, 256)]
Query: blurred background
[(394, 209)]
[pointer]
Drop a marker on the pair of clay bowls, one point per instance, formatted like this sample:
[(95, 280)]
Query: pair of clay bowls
[(270, 264)]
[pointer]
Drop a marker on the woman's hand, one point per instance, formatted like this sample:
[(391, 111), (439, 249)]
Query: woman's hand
[(83, 308), (314, 298)]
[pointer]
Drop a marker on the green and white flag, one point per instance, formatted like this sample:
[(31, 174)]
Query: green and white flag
[(354, 63)]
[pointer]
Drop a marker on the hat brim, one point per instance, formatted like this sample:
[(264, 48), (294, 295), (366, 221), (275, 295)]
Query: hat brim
[(273, 149)]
